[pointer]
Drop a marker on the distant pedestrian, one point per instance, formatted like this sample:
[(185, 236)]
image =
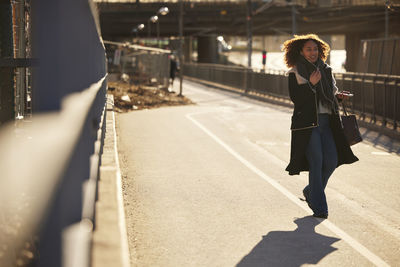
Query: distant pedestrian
[(318, 143), (173, 70)]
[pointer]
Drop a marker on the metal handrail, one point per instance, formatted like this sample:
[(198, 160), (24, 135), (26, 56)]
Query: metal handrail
[(49, 165), (44, 149), (376, 95)]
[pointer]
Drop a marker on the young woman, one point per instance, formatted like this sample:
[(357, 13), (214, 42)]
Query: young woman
[(318, 143)]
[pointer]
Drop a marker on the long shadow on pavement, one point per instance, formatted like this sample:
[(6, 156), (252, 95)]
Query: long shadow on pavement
[(291, 248)]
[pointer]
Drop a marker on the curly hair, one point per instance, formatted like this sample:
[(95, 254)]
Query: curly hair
[(293, 47)]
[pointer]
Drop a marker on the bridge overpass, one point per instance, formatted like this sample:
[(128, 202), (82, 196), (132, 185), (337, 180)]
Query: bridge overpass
[(356, 20), (229, 18)]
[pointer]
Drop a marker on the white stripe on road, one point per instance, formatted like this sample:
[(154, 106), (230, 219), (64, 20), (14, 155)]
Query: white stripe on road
[(340, 233), (198, 91), (379, 153)]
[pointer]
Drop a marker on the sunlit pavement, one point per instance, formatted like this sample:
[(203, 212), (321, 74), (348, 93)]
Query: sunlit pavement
[(204, 185)]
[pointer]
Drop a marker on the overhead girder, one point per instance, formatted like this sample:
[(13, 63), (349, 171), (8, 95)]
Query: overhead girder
[(229, 18)]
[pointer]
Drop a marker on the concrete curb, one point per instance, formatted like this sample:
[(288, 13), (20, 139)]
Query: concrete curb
[(109, 243)]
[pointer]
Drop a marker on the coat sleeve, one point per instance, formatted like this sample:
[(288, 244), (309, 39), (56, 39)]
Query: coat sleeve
[(299, 93), (334, 86), (335, 89)]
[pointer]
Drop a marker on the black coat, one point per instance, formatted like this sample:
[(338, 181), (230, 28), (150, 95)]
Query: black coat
[(305, 118)]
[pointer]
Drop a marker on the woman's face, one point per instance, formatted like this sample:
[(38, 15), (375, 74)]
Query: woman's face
[(310, 51)]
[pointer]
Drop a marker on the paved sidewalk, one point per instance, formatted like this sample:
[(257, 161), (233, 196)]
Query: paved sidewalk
[(204, 185)]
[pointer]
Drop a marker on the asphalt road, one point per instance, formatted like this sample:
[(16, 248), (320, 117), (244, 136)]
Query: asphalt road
[(204, 185)]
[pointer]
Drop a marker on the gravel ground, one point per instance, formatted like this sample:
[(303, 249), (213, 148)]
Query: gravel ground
[(129, 97)]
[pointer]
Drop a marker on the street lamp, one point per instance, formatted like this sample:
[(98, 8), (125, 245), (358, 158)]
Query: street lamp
[(162, 11), (153, 19), (137, 29)]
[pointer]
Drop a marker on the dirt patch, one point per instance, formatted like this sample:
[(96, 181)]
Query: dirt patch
[(128, 97)]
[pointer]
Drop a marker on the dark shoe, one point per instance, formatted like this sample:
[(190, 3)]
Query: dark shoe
[(306, 197), (322, 215)]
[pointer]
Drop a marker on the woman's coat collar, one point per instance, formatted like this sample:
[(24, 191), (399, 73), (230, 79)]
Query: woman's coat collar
[(300, 79)]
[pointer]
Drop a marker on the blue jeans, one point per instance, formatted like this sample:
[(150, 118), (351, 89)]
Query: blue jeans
[(322, 159)]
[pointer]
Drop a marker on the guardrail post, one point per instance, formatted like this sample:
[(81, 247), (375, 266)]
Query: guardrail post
[(246, 77), (373, 99), (363, 97), (396, 94), (384, 101), (352, 90)]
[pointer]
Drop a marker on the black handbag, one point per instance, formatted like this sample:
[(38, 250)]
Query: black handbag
[(350, 127)]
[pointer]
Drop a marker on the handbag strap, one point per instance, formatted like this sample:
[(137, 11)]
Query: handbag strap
[(344, 107)]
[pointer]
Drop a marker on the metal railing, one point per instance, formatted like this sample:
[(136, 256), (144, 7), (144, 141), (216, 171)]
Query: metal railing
[(49, 165), (269, 83), (376, 96)]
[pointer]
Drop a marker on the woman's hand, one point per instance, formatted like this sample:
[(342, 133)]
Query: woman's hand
[(344, 95), (315, 77)]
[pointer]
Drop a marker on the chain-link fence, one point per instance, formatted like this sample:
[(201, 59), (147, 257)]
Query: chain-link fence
[(139, 65)]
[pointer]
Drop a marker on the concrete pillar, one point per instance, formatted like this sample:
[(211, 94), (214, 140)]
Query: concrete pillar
[(207, 49), (353, 48), (188, 49), (325, 3), (328, 40), (352, 51)]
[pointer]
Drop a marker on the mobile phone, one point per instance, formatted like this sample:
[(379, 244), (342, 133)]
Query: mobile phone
[(345, 93)]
